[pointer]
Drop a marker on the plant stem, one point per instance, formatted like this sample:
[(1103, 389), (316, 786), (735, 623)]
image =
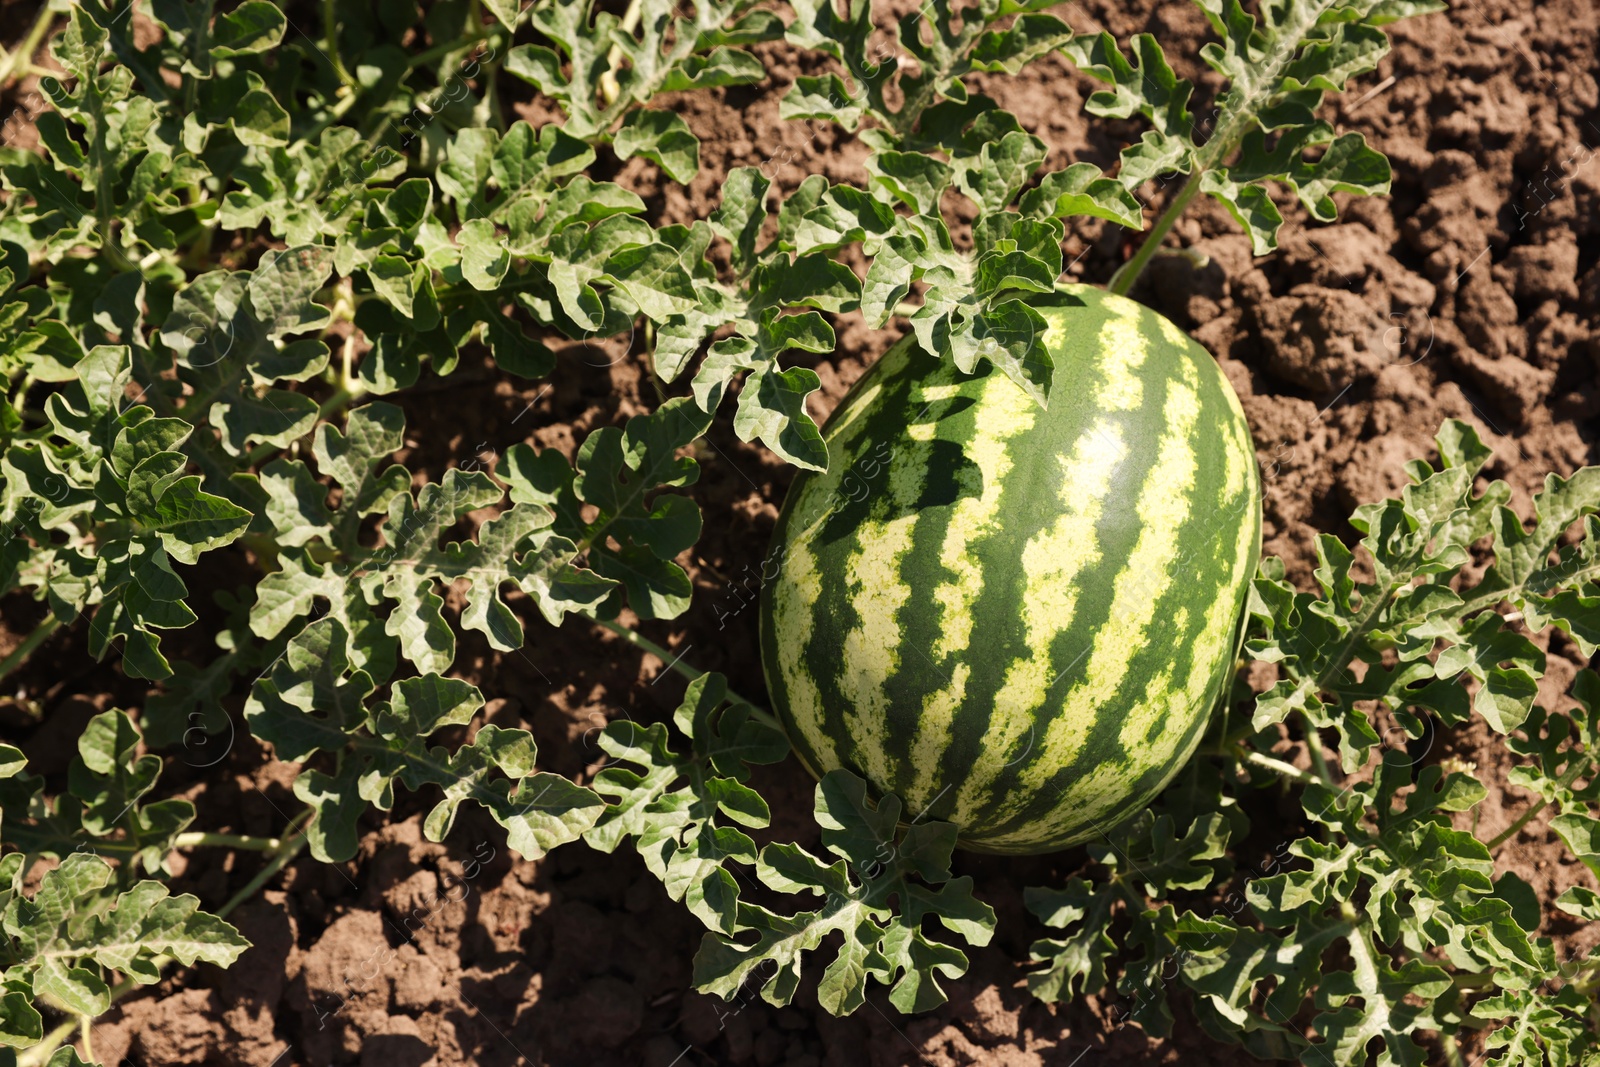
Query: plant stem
[(1452, 1051), (1314, 748), (1580, 763), (1268, 763), (330, 39), (439, 51), (86, 1026), (38, 1055), (254, 844), (131, 845), (286, 848), (609, 89), (638, 640), (19, 64), (289, 846), (1128, 273), (1241, 105), (104, 184), (20, 654)]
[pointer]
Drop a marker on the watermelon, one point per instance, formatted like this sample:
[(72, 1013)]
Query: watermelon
[(1018, 619)]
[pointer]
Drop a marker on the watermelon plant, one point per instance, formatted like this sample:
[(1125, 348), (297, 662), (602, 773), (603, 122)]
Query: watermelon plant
[(233, 239)]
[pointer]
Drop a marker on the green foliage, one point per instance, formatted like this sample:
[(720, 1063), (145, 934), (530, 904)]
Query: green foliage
[(105, 808), (316, 700), (1414, 607), (1263, 126), (1386, 920), (599, 72), (103, 495), (876, 895), (673, 805), (77, 925), (87, 917), (684, 808), (771, 404), (941, 138)]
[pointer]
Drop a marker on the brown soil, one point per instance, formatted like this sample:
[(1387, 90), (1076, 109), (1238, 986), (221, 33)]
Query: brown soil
[(1472, 292)]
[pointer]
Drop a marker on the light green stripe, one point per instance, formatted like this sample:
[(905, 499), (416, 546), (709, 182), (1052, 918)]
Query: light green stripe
[(1122, 347), (1003, 413), (798, 586), (1052, 560), (877, 592), (1163, 508), (1175, 337), (794, 598), (1241, 459), (1095, 799)]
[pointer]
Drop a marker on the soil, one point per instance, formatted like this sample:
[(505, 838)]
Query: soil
[(1471, 292)]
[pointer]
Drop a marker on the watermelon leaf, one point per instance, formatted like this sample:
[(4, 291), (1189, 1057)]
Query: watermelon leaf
[(877, 894), (108, 806), (619, 473), (1145, 853), (599, 71), (1278, 64), (1414, 608), (678, 807), (232, 234), (314, 699), (77, 921)]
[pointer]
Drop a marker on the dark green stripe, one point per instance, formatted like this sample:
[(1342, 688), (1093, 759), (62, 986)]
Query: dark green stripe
[(1207, 542), (1116, 533)]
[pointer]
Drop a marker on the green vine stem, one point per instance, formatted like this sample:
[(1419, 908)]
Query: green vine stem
[(609, 89), (19, 655), (1249, 97), (1572, 773), (38, 1055), (19, 64), (1314, 748), (676, 663), (330, 36), (1122, 281), (33, 841), (240, 841), (1287, 771), (287, 848), (440, 51)]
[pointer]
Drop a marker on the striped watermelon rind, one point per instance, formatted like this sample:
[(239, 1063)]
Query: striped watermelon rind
[(1019, 620)]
